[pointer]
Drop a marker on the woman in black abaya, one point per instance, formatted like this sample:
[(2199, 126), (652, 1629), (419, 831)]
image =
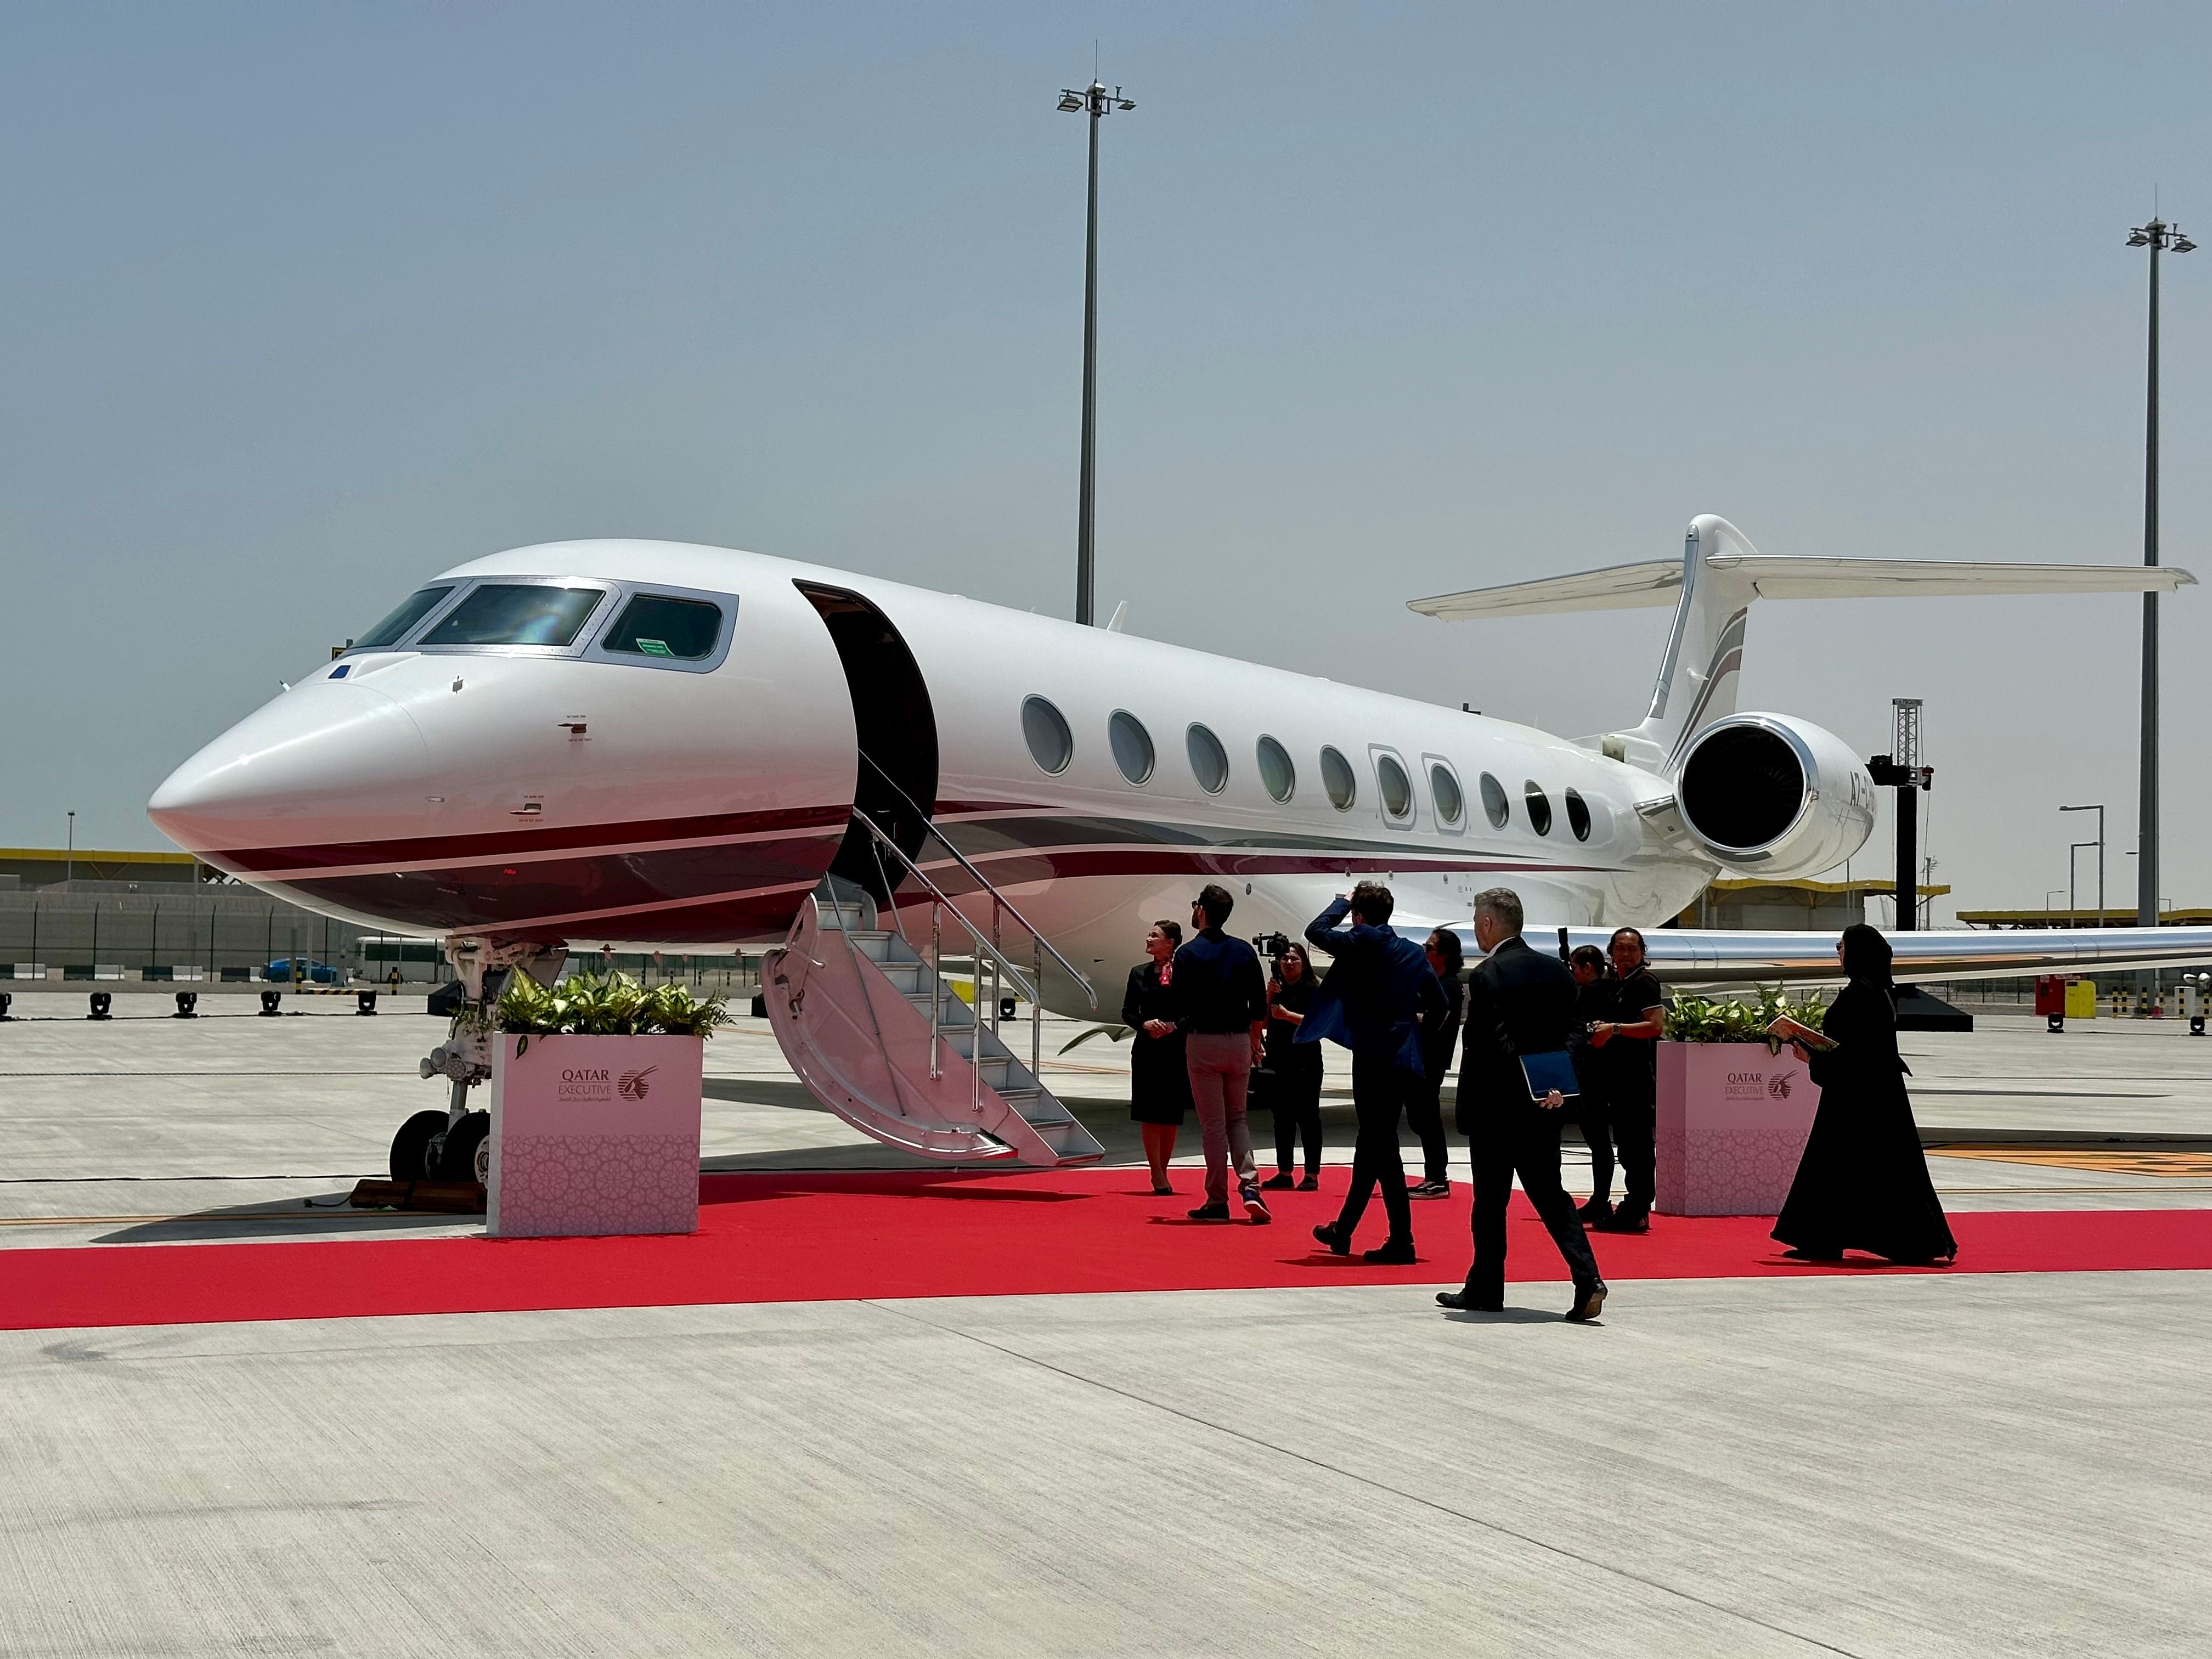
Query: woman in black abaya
[(1863, 1182)]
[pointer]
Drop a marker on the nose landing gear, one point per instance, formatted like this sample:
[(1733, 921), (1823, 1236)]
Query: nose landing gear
[(455, 1145)]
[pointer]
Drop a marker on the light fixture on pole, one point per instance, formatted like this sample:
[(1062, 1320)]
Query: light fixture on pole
[(2073, 906), (2160, 238), (1096, 102), (68, 859), (1901, 769), (2099, 809)]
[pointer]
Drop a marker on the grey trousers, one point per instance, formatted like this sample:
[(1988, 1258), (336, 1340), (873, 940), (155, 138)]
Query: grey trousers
[(1220, 1071)]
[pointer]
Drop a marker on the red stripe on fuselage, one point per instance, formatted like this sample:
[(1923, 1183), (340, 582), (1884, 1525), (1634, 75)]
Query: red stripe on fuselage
[(428, 851)]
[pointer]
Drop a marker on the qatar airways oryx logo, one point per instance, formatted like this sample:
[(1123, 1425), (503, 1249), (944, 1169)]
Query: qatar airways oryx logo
[(632, 1085)]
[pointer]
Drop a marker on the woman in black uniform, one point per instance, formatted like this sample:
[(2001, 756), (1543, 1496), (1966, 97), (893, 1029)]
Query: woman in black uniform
[(1627, 1040), (1159, 1082), (1863, 1182), (1295, 1068), (1439, 1044), (1593, 1003)]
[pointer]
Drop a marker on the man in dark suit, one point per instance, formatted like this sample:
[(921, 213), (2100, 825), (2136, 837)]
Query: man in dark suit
[(1377, 991), (1519, 1002)]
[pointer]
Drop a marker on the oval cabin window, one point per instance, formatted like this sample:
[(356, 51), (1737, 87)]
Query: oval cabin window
[(1276, 771), (1495, 806), (1578, 816), (1443, 788), (1132, 746), (1052, 745), (1397, 788), (1539, 805), (1209, 761), (1336, 778)]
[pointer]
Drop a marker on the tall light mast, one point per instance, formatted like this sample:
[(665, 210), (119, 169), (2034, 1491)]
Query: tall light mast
[(2160, 238), (1096, 101)]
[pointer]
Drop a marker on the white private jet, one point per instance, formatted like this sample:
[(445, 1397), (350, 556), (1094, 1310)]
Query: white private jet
[(605, 744)]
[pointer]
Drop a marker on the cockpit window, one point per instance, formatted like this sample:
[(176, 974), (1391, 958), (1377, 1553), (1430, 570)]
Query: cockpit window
[(394, 627), (515, 613), (653, 627)]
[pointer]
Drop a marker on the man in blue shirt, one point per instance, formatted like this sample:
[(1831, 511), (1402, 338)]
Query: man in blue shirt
[(1222, 999), (1372, 1002)]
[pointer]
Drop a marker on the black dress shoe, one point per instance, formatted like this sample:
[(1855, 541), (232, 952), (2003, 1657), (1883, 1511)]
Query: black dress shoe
[(1596, 1214), (1623, 1221), (1211, 1213), (1391, 1253), (1311, 1184), (1280, 1183), (1589, 1302), (1337, 1244), (1460, 1302)]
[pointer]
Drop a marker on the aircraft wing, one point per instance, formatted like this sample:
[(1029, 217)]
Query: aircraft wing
[(1726, 956)]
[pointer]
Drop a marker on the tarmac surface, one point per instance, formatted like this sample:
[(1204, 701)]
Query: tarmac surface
[(1968, 1464)]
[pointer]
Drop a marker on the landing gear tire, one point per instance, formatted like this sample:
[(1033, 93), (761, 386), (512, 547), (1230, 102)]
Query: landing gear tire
[(466, 1155), (411, 1146)]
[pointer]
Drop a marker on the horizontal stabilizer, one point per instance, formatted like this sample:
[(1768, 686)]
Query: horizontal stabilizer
[(1659, 581)]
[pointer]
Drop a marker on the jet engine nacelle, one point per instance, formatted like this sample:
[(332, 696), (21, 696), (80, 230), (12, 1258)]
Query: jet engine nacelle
[(1774, 795)]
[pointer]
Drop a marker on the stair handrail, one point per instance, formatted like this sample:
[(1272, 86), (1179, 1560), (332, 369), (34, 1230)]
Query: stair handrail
[(983, 944), (883, 838)]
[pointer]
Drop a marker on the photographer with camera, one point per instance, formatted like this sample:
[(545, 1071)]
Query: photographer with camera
[(1373, 1002), (1293, 1068)]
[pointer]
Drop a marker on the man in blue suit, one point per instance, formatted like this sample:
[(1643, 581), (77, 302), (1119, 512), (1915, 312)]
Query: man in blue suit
[(1372, 1001)]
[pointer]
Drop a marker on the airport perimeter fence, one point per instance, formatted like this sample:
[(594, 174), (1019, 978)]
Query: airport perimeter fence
[(203, 935), (187, 935)]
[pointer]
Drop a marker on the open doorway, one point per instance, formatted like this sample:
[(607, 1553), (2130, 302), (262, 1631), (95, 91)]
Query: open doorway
[(898, 729)]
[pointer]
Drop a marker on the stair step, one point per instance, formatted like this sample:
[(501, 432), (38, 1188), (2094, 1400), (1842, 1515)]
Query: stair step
[(1037, 1109)]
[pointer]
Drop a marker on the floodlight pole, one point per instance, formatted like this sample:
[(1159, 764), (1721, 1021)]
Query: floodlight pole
[(1095, 101), (2160, 238), (68, 859)]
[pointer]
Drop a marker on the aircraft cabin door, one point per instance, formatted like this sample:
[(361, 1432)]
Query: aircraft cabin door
[(896, 785)]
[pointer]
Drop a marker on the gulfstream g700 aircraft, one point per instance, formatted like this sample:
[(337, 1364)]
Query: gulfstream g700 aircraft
[(588, 744)]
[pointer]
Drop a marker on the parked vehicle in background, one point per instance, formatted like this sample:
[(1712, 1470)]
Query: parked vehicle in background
[(299, 969)]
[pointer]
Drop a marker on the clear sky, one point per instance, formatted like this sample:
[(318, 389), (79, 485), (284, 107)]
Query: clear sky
[(304, 303)]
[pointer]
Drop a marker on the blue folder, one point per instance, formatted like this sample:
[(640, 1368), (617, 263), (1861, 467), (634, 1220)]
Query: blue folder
[(1545, 1072)]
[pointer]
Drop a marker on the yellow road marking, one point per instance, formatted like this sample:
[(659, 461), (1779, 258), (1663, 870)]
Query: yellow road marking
[(2147, 1162)]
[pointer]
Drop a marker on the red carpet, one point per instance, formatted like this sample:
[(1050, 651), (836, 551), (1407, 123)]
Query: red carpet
[(834, 1237)]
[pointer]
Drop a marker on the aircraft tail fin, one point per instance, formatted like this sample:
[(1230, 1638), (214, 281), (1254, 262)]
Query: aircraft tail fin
[(1711, 588)]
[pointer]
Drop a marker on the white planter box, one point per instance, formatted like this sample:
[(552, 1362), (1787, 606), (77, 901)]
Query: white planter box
[(1733, 1120), (594, 1135)]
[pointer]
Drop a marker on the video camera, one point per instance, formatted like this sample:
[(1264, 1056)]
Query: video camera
[(1274, 947)]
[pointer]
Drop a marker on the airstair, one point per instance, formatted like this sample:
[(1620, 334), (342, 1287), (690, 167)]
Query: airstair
[(872, 1020)]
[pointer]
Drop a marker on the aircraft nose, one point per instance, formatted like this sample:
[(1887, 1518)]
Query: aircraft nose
[(324, 762)]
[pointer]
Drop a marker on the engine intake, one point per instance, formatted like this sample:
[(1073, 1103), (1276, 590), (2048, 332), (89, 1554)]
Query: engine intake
[(1773, 794)]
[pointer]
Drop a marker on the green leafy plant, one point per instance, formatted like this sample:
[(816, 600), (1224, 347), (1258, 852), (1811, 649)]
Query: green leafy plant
[(1736, 1020), (606, 1005)]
